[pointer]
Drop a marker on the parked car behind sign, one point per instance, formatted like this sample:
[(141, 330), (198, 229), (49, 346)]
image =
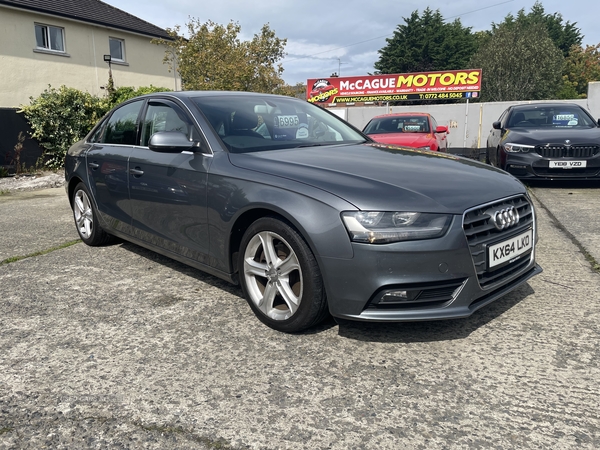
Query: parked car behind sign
[(309, 216)]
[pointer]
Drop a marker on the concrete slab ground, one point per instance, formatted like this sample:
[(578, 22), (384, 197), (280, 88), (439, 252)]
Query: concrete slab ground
[(118, 347), (32, 221), (576, 206)]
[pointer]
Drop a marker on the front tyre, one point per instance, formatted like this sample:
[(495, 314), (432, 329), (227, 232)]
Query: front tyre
[(86, 218), (280, 277)]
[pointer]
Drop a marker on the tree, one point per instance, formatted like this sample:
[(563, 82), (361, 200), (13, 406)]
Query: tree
[(519, 63), (580, 68), (214, 57), (564, 35), (426, 43), (298, 90)]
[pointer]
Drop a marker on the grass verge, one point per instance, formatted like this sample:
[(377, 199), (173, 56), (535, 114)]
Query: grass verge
[(13, 259), (220, 444)]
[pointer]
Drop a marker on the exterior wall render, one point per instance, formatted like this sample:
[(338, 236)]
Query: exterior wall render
[(27, 71)]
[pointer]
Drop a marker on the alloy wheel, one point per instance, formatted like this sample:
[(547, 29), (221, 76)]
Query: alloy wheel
[(273, 275), (84, 216)]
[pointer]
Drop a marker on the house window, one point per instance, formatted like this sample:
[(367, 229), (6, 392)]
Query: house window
[(50, 38), (117, 49)]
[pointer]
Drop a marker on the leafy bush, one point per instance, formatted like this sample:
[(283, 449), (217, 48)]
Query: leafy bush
[(126, 92), (60, 117)]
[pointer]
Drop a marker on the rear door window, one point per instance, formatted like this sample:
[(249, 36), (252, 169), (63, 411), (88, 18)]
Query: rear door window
[(121, 127)]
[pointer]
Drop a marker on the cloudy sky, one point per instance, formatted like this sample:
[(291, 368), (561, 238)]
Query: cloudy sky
[(327, 36)]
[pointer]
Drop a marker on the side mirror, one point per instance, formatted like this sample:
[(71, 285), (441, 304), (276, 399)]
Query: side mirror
[(497, 126), (169, 142), (441, 129)]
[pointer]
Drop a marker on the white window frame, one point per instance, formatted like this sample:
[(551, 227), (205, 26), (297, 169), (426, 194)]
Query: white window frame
[(46, 30), (122, 42)]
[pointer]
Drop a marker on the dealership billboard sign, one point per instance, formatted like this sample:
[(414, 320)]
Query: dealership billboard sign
[(442, 85)]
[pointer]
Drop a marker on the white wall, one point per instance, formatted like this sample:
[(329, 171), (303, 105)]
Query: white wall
[(593, 100)]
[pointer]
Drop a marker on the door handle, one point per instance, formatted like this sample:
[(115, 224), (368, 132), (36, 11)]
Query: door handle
[(136, 172), (94, 165)]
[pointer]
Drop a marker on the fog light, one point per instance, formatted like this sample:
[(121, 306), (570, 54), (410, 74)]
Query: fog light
[(399, 296), (514, 166)]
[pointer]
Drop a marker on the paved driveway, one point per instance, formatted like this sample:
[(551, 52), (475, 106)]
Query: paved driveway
[(117, 347)]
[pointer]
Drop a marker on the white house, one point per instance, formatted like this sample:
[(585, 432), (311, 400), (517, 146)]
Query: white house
[(67, 42)]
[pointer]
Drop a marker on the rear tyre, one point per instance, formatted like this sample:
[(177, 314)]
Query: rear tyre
[(280, 277), (86, 218)]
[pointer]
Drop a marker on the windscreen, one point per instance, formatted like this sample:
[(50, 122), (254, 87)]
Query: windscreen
[(550, 117), (248, 123)]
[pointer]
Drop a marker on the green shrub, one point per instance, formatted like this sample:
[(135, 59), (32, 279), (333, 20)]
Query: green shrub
[(60, 117), (126, 92)]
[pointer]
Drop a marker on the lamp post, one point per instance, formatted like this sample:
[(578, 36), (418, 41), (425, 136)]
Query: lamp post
[(108, 59), (110, 87), (339, 72)]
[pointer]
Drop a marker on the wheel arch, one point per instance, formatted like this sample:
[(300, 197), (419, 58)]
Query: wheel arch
[(73, 182), (247, 218), (499, 158)]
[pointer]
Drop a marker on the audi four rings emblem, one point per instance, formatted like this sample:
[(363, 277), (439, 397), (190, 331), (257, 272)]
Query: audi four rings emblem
[(505, 218)]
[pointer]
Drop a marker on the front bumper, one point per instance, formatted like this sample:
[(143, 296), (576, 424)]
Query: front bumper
[(534, 166), (442, 268)]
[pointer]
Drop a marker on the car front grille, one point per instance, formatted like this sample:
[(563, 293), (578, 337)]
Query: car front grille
[(481, 232), (567, 151)]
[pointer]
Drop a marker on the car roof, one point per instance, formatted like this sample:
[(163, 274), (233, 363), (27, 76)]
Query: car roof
[(544, 104), (401, 115), (190, 94)]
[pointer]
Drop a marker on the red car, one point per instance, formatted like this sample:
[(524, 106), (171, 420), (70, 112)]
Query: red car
[(416, 130)]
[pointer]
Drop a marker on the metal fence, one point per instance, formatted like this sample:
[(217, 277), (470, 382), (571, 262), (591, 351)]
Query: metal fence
[(11, 124)]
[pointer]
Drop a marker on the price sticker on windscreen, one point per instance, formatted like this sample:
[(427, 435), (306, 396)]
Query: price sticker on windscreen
[(289, 127), (288, 121), (565, 119)]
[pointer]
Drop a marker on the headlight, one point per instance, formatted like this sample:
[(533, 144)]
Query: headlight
[(515, 148), (375, 227)]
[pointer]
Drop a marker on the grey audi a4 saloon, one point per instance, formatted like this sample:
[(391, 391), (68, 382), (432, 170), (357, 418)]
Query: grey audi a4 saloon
[(307, 214)]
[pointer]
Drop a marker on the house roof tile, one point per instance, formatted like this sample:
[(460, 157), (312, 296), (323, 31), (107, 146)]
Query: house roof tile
[(91, 11)]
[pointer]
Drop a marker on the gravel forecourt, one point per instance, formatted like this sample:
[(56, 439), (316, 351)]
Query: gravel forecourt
[(118, 347)]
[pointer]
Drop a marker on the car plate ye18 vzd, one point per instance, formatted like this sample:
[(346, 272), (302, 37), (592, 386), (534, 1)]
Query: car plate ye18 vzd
[(510, 249), (567, 164)]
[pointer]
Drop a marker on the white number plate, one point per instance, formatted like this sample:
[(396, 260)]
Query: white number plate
[(568, 164), (290, 121), (511, 249)]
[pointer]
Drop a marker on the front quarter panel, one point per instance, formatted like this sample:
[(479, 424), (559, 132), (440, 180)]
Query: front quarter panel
[(235, 193)]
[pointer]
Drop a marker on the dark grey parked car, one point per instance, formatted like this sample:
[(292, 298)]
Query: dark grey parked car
[(546, 141), (309, 215)]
